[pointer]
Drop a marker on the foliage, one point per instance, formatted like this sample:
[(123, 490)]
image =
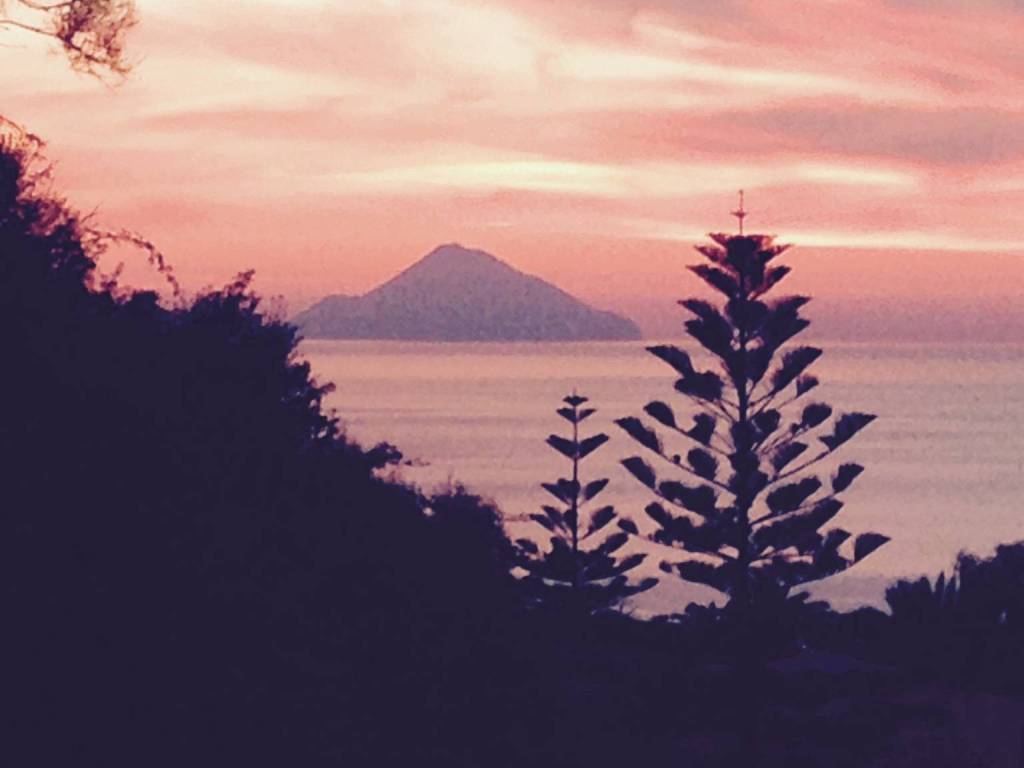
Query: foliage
[(90, 32), (968, 626), (984, 593), (582, 568), (749, 520), (193, 553), (923, 601)]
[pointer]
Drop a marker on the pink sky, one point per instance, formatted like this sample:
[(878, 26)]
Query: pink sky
[(330, 144)]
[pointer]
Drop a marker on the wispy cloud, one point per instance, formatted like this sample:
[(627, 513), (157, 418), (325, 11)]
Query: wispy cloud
[(364, 132)]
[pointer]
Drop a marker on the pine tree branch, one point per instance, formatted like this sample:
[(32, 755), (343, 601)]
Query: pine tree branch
[(805, 507), (689, 471), (764, 402), (785, 438), (777, 554), (718, 406), (723, 452), (796, 470), (717, 553)]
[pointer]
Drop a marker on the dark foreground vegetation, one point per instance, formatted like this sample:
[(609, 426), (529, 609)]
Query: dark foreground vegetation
[(199, 568)]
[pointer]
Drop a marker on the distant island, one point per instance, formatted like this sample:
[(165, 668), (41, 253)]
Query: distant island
[(459, 294)]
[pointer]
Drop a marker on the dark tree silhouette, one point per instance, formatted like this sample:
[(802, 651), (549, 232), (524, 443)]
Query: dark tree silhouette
[(924, 602), (198, 566), (90, 32), (981, 593), (581, 569), (750, 518), (968, 626)]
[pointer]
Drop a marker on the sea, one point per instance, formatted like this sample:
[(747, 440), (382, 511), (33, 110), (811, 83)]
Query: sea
[(944, 460)]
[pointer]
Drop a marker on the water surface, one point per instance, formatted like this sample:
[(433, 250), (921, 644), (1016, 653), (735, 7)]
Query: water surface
[(945, 460)]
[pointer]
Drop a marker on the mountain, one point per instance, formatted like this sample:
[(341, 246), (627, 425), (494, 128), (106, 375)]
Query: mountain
[(458, 294)]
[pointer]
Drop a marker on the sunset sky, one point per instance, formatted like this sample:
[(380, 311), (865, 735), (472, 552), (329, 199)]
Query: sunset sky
[(330, 144)]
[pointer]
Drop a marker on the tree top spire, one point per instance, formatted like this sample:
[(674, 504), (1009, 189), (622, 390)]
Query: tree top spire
[(741, 212)]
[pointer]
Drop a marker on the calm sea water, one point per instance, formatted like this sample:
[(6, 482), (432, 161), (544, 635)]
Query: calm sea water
[(945, 460)]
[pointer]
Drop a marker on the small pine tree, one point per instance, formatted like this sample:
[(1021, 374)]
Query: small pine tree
[(751, 529), (581, 570)]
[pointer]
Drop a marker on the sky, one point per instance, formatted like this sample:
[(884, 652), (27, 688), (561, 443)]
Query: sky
[(330, 144)]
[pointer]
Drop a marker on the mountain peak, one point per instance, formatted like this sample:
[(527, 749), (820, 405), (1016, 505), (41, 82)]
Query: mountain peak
[(456, 293), (450, 248), (456, 255)]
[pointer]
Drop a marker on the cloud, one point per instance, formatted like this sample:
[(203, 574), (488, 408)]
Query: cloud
[(367, 131), (956, 135), (639, 182)]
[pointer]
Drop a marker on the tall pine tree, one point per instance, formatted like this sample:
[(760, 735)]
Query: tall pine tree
[(743, 511)]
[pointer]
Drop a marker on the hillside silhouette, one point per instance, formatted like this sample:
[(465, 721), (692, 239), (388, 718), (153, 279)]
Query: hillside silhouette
[(458, 294), (198, 566)]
